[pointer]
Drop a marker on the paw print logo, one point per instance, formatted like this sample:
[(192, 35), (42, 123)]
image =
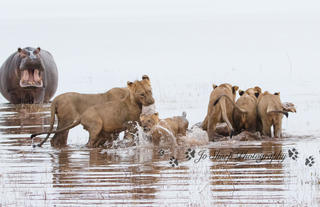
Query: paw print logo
[(293, 153), (190, 154), (161, 152), (309, 161), (173, 162)]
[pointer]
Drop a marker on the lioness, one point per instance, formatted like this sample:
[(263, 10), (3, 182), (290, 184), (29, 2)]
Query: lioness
[(220, 109), (248, 102), (270, 113), (169, 128), (69, 107), (256, 91)]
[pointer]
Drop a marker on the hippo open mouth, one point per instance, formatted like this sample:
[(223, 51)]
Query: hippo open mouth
[(31, 78)]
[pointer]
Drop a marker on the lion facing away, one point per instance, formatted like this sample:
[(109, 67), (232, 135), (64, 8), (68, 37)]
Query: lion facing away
[(75, 108), (166, 130), (220, 109), (247, 101), (270, 113)]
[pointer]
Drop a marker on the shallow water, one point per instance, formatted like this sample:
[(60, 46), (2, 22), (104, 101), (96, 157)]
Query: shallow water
[(143, 176)]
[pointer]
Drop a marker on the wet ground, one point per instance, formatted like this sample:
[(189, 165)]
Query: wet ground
[(269, 173)]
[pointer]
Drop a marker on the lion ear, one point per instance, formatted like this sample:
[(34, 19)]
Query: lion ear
[(214, 86), (145, 77), (234, 89), (258, 89), (156, 114), (142, 116), (277, 93), (129, 84), (241, 92)]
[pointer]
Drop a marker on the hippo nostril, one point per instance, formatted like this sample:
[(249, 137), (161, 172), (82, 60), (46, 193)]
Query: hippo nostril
[(33, 57)]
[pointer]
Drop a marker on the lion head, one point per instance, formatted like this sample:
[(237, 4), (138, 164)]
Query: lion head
[(148, 121), (142, 91)]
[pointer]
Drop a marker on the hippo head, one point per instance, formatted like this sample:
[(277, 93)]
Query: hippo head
[(30, 67)]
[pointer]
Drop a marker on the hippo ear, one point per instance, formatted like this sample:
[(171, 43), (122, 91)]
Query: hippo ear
[(21, 53), (214, 86), (277, 93), (241, 92), (37, 51), (234, 89), (145, 77), (129, 84)]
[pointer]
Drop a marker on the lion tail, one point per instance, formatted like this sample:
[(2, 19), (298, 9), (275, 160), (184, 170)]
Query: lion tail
[(75, 123), (270, 110), (52, 118), (184, 114), (225, 116), (234, 105)]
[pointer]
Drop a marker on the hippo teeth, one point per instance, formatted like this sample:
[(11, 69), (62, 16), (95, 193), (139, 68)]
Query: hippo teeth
[(31, 78), (36, 75)]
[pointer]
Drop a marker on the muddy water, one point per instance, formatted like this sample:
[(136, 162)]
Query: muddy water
[(221, 173)]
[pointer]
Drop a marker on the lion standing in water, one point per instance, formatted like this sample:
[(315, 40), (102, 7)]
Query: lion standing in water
[(69, 107), (220, 109), (167, 130), (270, 112), (248, 101)]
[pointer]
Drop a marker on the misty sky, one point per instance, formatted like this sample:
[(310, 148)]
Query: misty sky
[(16, 9)]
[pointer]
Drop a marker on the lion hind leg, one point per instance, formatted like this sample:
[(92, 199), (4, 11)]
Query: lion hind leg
[(266, 128), (277, 128), (64, 120), (212, 124), (204, 124), (60, 139), (225, 116)]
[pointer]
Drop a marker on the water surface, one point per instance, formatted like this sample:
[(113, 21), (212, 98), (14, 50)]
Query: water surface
[(143, 176)]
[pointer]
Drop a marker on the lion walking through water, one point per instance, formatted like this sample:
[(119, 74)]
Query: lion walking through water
[(75, 108)]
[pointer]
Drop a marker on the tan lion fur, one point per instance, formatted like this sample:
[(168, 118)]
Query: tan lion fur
[(247, 101), (167, 130), (220, 109), (69, 108), (270, 113)]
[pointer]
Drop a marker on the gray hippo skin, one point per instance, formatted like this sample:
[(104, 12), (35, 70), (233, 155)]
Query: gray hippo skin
[(29, 75)]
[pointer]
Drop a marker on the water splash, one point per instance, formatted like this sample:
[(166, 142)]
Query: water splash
[(195, 136), (149, 109), (136, 137)]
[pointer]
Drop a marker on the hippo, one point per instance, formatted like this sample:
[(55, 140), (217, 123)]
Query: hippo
[(29, 75)]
